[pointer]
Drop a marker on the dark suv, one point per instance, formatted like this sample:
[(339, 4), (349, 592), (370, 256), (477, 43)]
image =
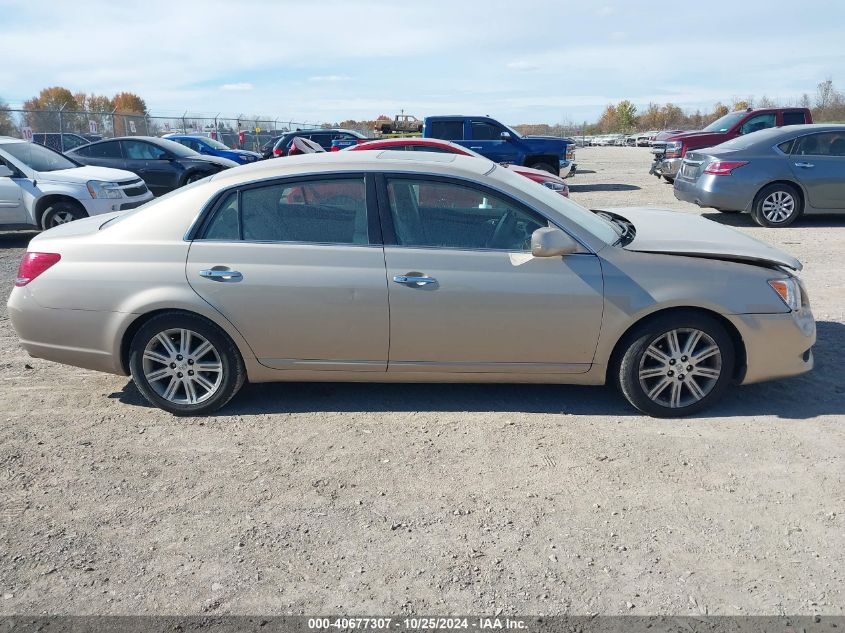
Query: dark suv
[(322, 137)]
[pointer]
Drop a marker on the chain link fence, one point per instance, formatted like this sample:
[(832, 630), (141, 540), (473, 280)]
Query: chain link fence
[(65, 129)]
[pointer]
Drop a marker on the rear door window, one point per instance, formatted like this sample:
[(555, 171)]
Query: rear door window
[(447, 130), (326, 211), (821, 144), (793, 118), (107, 149)]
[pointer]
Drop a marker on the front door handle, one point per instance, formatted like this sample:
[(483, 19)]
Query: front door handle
[(414, 280), (804, 165), (475, 147), (221, 274)]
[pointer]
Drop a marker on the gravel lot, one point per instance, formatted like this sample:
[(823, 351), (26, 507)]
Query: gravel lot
[(432, 499)]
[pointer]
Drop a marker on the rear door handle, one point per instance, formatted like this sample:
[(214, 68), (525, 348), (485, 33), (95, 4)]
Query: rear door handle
[(804, 165), (221, 274), (414, 280)]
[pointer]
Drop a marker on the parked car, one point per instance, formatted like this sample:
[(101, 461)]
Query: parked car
[(163, 164), (669, 149), (267, 148), (400, 123), (502, 144), (322, 137), (210, 147), (416, 144), (59, 142), (776, 175), (40, 188), (261, 274), (643, 139)]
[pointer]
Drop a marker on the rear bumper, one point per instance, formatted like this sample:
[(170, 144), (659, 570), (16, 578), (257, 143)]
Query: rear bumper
[(82, 338), (717, 192), (776, 345)]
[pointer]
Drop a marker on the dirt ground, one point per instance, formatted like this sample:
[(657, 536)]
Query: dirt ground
[(431, 499)]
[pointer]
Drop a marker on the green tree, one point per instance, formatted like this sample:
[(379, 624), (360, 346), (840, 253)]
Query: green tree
[(626, 116), (7, 126)]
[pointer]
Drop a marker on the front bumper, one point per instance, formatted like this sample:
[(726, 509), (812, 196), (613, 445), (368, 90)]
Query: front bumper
[(98, 206), (668, 167), (776, 345)]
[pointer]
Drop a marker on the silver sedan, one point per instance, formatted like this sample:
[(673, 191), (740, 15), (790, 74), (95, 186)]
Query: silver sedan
[(776, 174), (408, 267)]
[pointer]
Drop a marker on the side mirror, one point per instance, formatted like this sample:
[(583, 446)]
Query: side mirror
[(5, 172), (550, 242), (506, 136)]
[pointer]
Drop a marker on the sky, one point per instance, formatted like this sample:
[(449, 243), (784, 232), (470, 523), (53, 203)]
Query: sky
[(531, 61)]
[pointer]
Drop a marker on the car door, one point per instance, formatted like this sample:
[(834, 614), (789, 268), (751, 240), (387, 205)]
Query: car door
[(12, 209), (152, 163), (297, 266), (818, 162), (466, 295), (487, 139)]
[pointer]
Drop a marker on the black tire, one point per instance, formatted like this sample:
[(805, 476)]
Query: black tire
[(546, 167), (635, 361), (193, 177), (774, 202), (669, 179), (61, 212), (224, 353)]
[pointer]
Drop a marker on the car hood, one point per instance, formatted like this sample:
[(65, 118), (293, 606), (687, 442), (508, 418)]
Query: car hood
[(678, 233), (217, 160), (81, 175)]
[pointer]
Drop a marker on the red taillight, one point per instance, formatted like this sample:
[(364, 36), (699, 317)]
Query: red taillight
[(33, 264), (335, 148), (724, 167), (278, 152)]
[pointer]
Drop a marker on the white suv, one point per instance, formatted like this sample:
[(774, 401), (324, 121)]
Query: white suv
[(40, 188)]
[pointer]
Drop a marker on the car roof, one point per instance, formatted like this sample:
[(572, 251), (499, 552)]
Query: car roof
[(11, 139), (333, 162), (788, 131)]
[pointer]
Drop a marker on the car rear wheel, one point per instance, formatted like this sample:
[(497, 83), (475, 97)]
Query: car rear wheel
[(546, 167), (185, 364), (669, 179), (61, 212), (777, 205), (676, 365)]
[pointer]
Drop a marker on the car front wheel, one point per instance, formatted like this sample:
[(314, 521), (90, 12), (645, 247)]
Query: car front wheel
[(676, 365), (185, 364), (61, 212)]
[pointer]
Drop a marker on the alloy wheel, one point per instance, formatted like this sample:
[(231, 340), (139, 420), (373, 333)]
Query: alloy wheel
[(182, 366), (680, 367), (778, 206), (61, 217)]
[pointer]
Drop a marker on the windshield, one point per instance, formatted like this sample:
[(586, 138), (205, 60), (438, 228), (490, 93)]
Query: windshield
[(725, 123), (38, 157), (215, 144), (176, 148), (598, 226)]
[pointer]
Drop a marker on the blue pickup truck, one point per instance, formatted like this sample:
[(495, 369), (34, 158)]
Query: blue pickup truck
[(501, 144)]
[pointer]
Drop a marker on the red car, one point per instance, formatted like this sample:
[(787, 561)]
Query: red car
[(436, 145)]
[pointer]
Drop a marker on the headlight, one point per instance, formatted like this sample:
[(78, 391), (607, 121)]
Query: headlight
[(101, 189), (789, 290)]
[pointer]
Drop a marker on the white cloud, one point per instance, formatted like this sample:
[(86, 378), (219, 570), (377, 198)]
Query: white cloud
[(329, 78), (240, 86), (523, 66), (604, 11)]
